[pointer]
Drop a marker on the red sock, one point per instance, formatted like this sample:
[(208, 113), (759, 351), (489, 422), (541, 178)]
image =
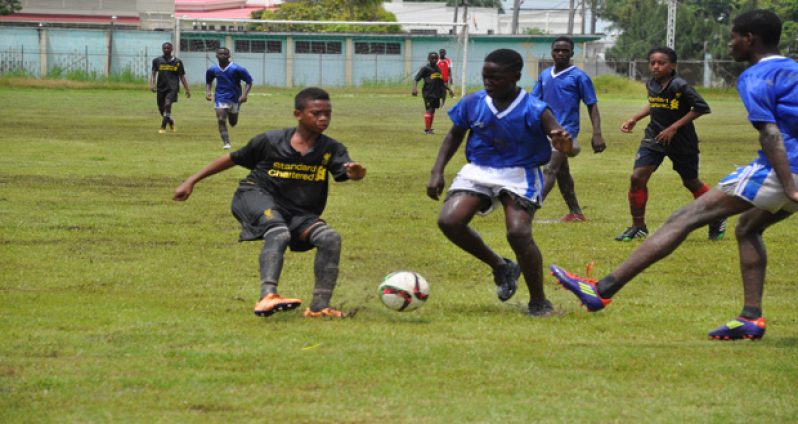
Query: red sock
[(704, 188), (637, 206), (428, 120)]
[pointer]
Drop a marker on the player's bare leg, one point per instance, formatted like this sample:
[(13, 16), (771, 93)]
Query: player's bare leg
[(221, 119), (518, 222), (565, 182), (455, 215), (753, 256), (712, 206), (551, 170)]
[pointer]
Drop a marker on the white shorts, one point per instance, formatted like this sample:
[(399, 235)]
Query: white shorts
[(233, 107), (491, 182), (758, 184)]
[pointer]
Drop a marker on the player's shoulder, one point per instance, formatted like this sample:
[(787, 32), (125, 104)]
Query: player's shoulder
[(678, 83)]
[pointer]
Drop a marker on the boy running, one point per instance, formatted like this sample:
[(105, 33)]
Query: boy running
[(432, 91), (170, 72), (228, 94), (507, 145), (764, 191), (673, 106), (562, 87), (282, 199)]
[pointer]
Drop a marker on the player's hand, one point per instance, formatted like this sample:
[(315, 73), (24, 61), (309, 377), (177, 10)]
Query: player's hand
[(414, 92), (435, 186), (562, 141), (355, 171), (152, 88), (188, 94), (208, 96), (665, 136), (242, 99), (628, 125), (598, 143), (792, 195), (183, 191)]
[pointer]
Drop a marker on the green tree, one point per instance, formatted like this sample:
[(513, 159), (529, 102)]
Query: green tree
[(330, 10), (8, 7)]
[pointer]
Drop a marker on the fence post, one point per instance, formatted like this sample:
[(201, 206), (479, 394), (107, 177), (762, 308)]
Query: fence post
[(42, 51), (632, 70)]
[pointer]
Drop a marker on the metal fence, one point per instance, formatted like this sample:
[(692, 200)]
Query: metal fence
[(86, 63)]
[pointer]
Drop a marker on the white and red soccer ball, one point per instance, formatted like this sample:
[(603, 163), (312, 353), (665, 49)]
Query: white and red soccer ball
[(404, 291)]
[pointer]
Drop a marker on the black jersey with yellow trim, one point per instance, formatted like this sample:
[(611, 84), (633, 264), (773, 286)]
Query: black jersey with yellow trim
[(293, 178), (169, 72), (668, 105), (434, 87)]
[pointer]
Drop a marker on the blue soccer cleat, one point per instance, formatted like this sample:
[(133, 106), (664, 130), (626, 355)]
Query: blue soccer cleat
[(584, 288), (740, 328)]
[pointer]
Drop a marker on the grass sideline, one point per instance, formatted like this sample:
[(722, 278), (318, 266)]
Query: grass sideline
[(121, 305)]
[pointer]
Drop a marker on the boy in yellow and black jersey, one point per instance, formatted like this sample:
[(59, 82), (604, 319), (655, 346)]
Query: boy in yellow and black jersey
[(169, 72), (433, 91)]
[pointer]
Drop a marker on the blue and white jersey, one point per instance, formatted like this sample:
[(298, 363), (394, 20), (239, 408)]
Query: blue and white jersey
[(228, 81), (500, 139), (769, 91), (563, 92)]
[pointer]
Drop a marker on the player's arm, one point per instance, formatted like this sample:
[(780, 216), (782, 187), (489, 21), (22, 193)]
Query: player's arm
[(418, 78), (414, 91), (185, 85), (597, 141), (183, 191), (451, 142), (629, 124), (665, 136), (355, 171), (247, 88), (773, 147), (560, 138), (152, 79), (208, 87)]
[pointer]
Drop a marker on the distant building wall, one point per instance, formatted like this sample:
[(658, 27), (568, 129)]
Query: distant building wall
[(274, 59)]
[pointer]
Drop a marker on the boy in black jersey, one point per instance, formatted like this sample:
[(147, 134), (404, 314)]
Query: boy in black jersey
[(673, 105), (433, 91), (170, 72), (282, 199)]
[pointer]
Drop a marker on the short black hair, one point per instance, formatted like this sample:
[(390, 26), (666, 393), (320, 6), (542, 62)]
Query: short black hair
[(508, 58), (667, 51), (308, 95), (763, 23), (568, 40), (223, 48), (166, 44)]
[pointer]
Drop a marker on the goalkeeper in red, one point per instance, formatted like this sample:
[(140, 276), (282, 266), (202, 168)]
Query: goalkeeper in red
[(764, 191), (283, 197)]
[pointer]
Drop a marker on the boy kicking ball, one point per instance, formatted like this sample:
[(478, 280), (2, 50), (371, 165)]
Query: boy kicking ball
[(507, 146), (764, 191), (282, 199)]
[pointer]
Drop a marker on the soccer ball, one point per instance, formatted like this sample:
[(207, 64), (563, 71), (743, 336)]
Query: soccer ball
[(404, 291)]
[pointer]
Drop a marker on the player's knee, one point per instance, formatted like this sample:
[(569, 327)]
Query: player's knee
[(518, 235), (746, 228), (638, 181), (279, 236), (449, 224), (324, 237)]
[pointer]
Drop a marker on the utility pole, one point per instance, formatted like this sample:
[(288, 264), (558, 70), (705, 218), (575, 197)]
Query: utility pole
[(456, 6), (516, 11), (670, 39), (593, 16), (571, 11)]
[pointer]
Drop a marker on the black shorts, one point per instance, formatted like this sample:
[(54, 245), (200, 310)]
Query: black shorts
[(685, 164), (432, 102), (258, 211), (171, 95)]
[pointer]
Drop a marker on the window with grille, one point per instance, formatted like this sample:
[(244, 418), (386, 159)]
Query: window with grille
[(199, 45), (318, 47), (377, 47)]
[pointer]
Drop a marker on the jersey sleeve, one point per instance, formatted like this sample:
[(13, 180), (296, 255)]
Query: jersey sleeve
[(209, 75), (421, 73), (252, 153), (537, 90), (758, 102), (181, 70), (695, 100), (586, 90), (340, 156), (459, 112), (155, 65)]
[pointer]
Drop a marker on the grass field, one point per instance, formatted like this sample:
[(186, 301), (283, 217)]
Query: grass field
[(119, 305)]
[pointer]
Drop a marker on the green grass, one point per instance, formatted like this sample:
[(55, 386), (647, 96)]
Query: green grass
[(119, 305)]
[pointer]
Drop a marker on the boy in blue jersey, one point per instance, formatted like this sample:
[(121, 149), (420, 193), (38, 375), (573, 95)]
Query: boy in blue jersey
[(228, 94), (562, 87), (506, 148), (764, 191)]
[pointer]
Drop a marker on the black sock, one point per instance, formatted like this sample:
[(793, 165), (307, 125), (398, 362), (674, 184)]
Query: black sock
[(751, 312), (164, 121), (608, 286)]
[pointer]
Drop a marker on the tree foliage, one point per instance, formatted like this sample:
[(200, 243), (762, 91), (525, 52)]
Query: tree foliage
[(330, 10), (8, 7), (701, 25)]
